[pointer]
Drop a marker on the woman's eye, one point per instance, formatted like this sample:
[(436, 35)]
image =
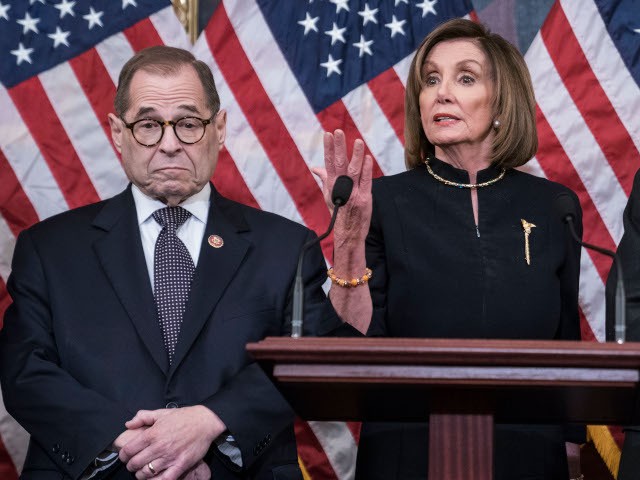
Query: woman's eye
[(431, 80), (467, 79)]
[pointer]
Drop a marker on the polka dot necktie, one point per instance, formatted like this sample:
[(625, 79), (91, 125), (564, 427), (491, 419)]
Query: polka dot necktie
[(173, 272)]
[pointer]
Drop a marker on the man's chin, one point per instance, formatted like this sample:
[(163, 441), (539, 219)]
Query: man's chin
[(172, 194)]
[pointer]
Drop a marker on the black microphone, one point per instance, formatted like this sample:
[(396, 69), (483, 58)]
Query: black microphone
[(339, 196), (566, 209)]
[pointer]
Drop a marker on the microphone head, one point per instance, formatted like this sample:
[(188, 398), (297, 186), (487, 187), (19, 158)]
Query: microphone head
[(341, 190), (565, 207)]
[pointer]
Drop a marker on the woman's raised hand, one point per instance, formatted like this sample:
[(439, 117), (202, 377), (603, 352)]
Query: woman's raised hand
[(353, 220)]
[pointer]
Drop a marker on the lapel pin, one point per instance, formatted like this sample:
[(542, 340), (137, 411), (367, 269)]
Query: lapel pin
[(526, 227), (215, 241)]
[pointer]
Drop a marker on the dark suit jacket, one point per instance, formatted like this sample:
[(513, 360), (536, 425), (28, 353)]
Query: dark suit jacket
[(81, 349), (629, 255)]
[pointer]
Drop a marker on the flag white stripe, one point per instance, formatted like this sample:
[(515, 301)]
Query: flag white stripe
[(27, 163), (606, 63), (576, 138), (246, 150), (339, 445), (7, 244), (375, 129), (533, 167), (114, 52), (84, 130), (402, 69), (170, 29), (277, 79), (591, 296)]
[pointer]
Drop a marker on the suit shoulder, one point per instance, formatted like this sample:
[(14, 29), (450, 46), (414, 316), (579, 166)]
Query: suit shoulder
[(67, 221)]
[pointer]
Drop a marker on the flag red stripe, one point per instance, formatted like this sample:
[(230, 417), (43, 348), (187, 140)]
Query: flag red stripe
[(586, 333), (354, 427), (230, 183), (589, 97), (54, 144), (388, 90), (142, 35), (558, 167), (7, 469), (15, 206), (268, 127), (97, 86), (337, 116), (310, 451)]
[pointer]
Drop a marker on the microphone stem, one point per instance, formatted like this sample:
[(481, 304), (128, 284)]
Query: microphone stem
[(298, 288), (601, 250), (620, 308)]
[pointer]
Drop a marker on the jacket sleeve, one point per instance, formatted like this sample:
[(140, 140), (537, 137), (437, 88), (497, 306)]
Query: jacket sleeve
[(569, 280), (69, 421), (249, 404)]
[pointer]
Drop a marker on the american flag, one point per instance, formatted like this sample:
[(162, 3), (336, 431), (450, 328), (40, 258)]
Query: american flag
[(286, 72)]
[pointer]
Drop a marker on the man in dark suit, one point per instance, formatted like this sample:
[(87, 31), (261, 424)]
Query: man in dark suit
[(128, 308), (629, 255)]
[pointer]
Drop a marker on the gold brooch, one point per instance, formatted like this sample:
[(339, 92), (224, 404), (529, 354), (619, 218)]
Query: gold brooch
[(527, 226)]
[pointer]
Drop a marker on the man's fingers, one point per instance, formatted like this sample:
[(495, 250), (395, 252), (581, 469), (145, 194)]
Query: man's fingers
[(142, 418), (133, 448), (149, 470)]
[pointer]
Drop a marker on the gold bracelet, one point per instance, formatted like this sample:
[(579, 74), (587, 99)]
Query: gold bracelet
[(354, 282)]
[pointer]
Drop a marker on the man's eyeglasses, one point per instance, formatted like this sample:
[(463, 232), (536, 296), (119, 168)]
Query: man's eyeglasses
[(149, 132)]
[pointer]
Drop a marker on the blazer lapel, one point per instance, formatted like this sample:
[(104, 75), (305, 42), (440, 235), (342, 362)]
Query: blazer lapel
[(121, 255), (216, 268)]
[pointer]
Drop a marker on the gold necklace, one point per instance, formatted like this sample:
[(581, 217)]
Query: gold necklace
[(463, 185)]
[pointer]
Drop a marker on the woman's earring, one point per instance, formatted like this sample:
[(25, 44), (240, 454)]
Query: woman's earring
[(496, 124)]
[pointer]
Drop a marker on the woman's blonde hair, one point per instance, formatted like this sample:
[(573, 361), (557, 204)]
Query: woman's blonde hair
[(516, 140)]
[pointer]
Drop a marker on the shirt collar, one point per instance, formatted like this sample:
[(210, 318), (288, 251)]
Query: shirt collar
[(197, 204)]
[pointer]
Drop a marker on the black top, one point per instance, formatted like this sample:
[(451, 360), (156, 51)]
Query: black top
[(436, 275)]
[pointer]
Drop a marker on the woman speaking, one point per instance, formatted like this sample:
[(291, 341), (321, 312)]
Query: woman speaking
[(461, 245)]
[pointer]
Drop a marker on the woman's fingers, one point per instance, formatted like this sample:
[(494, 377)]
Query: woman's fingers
[(329, 154), (340, 148), (367, 173)]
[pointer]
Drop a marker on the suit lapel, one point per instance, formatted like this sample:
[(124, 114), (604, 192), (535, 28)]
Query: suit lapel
[(216, 268), (121, 255)]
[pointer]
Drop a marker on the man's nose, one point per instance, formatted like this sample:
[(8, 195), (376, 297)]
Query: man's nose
[(170, 142)]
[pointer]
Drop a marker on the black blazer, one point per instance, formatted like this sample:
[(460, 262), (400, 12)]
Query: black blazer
[(435, 275), (629, 255), (81, 350)]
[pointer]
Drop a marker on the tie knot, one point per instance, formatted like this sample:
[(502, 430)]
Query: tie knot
[(171, 216)]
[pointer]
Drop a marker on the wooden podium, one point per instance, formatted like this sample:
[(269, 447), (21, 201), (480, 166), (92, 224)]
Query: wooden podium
[(460, 386)]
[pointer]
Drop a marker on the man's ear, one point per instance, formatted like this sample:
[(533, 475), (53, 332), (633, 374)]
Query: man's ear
[(220, 125), (117, 130)]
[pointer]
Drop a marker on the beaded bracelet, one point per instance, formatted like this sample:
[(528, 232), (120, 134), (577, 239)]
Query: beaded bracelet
[(354, 282)]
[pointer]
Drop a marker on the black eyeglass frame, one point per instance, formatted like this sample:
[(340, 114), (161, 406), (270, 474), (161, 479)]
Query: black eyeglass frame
[(165, 123)]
